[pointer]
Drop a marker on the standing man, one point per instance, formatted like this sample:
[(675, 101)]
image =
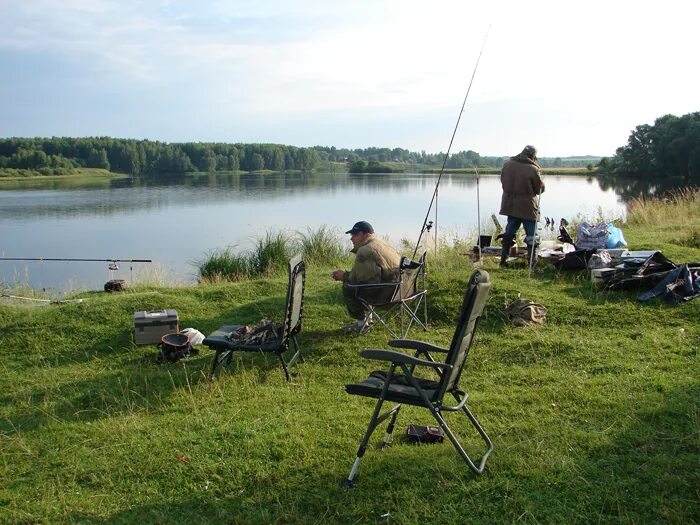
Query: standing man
[(521, 182), (375, 262)]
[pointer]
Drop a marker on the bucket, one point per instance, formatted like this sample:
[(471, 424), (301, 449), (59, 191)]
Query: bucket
[(174, 347), (175, 341), (484, 241)]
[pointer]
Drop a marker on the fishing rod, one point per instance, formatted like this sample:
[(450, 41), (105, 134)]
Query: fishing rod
[(425, 226), (72, 259), (478, 214), (534, 239)]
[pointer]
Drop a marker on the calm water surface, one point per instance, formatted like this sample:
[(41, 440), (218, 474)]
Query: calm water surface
[(177, 221)]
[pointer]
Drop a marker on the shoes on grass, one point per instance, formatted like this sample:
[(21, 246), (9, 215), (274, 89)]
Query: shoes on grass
[(359, 329)]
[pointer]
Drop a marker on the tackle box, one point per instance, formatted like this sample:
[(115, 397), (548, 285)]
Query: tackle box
[(149, 327)]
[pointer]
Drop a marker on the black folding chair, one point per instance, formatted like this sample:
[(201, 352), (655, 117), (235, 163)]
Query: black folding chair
[(397, 305), (407, 388), (224, 345)]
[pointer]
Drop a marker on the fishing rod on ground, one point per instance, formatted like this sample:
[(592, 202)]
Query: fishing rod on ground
[(433, 200), (112, 262), (534, 239), (72, 259)]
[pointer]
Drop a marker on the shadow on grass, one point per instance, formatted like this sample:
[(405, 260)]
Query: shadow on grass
[(141, 383), (644, 472)]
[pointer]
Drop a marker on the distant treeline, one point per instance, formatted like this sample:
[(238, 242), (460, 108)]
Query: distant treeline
[(670, 148), (137, 157), (359, 159)]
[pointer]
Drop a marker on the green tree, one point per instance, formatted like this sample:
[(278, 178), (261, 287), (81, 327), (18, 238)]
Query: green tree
[(207, 162), (257, 162), (668, 148)]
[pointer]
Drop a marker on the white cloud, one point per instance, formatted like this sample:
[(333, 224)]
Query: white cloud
[(572, 76)]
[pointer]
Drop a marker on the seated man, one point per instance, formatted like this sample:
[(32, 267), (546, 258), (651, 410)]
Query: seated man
[(375, 262)]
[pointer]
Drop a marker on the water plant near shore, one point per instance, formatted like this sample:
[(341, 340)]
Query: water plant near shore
[(675, 205), (270, 254)]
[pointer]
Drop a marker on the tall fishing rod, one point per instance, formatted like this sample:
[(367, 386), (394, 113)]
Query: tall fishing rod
[(478, 214), (426, 226), (532, 256), (71, 259)]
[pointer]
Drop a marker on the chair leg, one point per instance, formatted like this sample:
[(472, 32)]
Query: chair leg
[(455, 442), (373, 423), (284, 367), (219, 358), (413, 317), (292, 360), (390, 427)]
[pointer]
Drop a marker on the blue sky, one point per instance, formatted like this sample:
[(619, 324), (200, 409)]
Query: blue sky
[(571, 78)]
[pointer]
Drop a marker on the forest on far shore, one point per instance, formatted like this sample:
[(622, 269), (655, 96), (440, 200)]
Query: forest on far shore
[(668, 148), (58, 155)]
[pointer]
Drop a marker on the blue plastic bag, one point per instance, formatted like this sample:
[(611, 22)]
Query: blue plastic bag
[(615, 238)]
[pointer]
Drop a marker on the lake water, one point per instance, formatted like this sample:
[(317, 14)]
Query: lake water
[(177, 221)]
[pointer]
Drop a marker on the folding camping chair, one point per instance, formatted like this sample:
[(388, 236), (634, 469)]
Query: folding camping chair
[(398, 303), (407, 388), (224, 346)]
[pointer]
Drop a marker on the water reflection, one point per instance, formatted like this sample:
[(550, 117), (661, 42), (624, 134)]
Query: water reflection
[(176, 220), (629, 188)]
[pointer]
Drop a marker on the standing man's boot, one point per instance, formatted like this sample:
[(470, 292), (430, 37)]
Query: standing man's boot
[(506, 244)]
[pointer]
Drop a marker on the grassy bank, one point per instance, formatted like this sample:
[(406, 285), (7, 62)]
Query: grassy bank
[(595, 416), (26, 174), (497, 171)]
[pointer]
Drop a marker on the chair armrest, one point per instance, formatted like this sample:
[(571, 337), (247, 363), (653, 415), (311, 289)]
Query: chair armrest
[(410, 344), (372, 285), (399, 358)]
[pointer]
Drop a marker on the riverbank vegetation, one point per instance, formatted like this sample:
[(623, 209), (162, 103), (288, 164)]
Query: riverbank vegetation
[(595, 415), (9, 174), (270, 253), (667, 149)]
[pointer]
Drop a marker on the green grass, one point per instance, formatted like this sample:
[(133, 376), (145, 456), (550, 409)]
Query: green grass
[(595, 416), (270, 254)]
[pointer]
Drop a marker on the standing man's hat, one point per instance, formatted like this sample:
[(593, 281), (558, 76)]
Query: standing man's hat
[(530, 151), (362, 226)]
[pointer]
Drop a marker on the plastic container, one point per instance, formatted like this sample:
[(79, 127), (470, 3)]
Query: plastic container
[(150, 327), (599, 276)]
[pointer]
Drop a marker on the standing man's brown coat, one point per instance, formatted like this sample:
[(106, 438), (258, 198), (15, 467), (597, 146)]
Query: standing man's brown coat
[(521, 181)]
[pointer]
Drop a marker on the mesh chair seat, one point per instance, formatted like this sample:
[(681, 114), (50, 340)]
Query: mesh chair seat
[(224, 347), (401, 304), (400, 389), (219, 339)]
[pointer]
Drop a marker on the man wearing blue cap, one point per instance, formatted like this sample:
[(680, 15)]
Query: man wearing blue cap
[(375, 262)]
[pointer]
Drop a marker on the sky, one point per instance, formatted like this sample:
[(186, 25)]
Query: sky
[(572, 78)]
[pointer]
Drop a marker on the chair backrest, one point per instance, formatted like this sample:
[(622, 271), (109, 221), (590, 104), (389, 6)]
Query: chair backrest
[(410, 274), (295, 297), (472, 307)]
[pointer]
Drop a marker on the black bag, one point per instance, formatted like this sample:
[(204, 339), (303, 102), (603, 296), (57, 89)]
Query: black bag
[(577, 260), (424, 434), (115, 285)]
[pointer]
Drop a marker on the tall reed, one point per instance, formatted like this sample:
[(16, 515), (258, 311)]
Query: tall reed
[(321, 246), (224, 265), (676, 205), (270, 254)]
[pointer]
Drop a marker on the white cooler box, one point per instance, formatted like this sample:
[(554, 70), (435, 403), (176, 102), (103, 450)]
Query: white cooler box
[(149, 327)]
